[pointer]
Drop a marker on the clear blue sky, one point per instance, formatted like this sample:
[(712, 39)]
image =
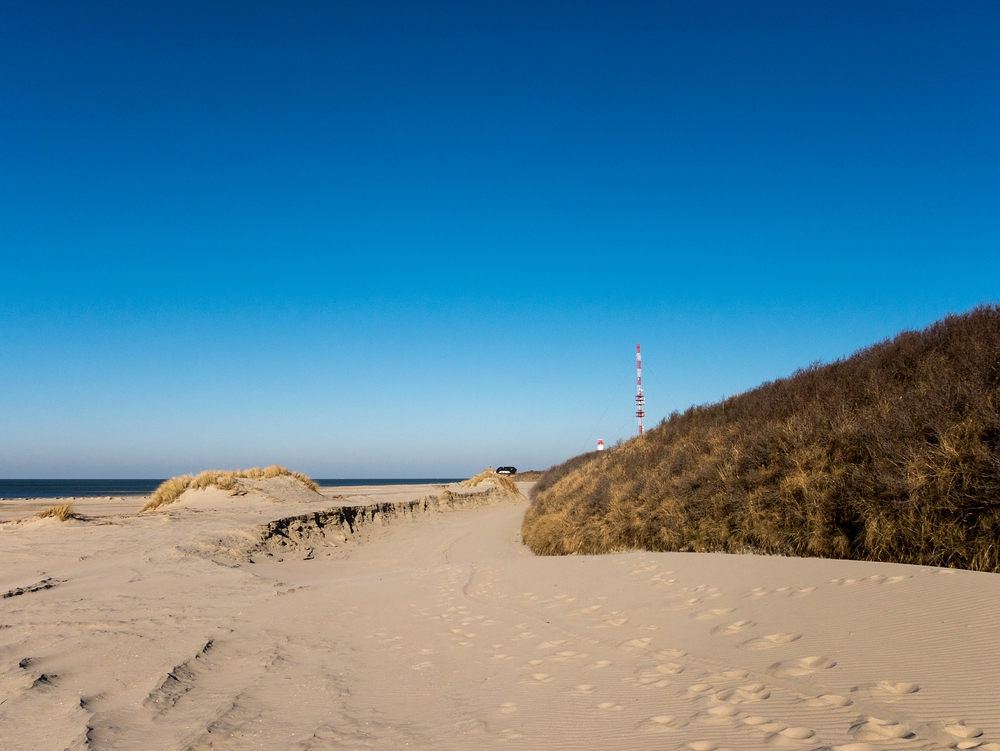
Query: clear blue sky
[(415, 239)]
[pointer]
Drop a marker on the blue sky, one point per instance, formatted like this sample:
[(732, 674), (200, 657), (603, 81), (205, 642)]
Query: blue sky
[(415, 239)]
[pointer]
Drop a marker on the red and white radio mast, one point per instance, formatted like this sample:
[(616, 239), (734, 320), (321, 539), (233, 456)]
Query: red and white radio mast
[(640, 400)]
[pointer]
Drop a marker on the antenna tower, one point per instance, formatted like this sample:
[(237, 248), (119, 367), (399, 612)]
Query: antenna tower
[(640, 400)]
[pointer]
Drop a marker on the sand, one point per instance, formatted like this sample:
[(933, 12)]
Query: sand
[(430, 626)]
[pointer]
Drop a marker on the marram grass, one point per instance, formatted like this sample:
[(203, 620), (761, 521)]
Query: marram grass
[(890, 455), (61, 512), (170, 490), (489, 475)]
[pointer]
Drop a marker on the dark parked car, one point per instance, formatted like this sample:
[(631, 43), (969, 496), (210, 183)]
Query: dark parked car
[(506, 470)]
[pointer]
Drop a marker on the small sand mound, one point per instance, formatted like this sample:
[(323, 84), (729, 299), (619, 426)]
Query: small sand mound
[(500, 481), (170, 491)]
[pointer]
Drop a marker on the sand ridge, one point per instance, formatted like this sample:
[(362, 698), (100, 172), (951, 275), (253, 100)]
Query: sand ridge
[(440, 630)]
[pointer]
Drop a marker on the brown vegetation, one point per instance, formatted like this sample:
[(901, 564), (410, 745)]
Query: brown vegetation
[(529, 475), (890, 455), (501, 481), (61, 512), (170, 490)]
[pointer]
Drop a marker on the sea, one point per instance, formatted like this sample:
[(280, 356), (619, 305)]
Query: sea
[(92, 488)]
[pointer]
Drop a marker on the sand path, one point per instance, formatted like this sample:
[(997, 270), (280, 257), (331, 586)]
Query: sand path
[(444, 632)]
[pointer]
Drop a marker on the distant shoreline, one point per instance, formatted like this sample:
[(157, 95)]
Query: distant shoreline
[(16, 489)]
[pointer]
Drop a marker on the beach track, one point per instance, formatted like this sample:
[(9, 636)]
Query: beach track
[(385, 623)]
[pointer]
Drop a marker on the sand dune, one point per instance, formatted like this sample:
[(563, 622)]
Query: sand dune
[(423, 622)]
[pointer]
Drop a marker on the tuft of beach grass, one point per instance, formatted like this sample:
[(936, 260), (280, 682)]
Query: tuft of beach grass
[(61, 512)]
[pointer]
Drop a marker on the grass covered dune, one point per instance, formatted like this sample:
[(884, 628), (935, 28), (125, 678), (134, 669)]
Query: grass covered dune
[(890, 455), (171, 490)]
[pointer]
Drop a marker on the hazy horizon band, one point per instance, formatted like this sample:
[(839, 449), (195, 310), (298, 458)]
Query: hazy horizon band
[(88, 488)]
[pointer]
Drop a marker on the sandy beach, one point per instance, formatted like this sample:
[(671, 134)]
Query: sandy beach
[(285, 619)]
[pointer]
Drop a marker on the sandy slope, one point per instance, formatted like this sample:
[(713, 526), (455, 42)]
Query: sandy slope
[(441, 631)]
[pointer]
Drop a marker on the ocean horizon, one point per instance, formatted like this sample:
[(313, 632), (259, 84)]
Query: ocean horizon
[(89, 488)]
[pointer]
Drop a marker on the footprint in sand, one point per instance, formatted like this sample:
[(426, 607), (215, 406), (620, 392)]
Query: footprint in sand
[(718, 715), (828, 700), (798, 733), (800, 667), (542, 677), (770, 641), (599, 664), (644, 569), (508, 707), (668, 653), (670, 668), (743, 694), (654, 680), (584, 688), (703, 615), (551, 644), (702, 746), (957, 729), (732, 628), (886, 691), (700, 688), (659, 723), (610, 705), (892, 687), (843, 581), (874, 729), (637, 643)]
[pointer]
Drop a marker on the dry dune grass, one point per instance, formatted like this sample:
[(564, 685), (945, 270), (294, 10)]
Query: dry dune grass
[(170, 490), (529, 475), (890, 455), (501, 481), (61, 512)]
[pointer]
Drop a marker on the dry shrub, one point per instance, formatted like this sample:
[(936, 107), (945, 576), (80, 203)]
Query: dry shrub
[(892, 454), (170, 490), (501, 481), (62, 512)]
